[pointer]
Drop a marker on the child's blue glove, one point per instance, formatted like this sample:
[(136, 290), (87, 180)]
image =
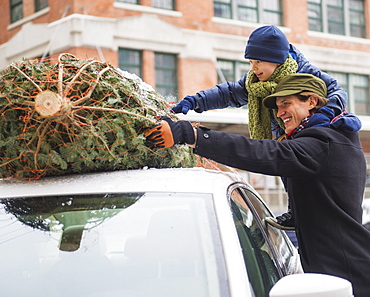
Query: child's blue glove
[(186, 104)]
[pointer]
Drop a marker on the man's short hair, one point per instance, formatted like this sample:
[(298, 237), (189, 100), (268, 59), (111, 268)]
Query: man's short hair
[(321, 101)]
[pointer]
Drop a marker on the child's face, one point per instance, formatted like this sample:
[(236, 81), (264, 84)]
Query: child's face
[(263, 70)]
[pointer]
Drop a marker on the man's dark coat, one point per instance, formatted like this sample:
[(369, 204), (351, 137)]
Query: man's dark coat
[(325, 171)]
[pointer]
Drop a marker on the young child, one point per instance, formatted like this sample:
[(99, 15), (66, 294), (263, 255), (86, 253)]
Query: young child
[(271, 58)]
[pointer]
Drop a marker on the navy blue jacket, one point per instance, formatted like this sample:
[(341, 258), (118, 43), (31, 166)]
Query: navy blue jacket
[(235, 94)]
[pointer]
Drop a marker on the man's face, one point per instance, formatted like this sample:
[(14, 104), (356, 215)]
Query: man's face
[(292, 110), (263, 70)]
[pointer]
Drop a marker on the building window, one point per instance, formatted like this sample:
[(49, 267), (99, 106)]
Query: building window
[(16, 10), (165, 4), (360, 92), (342, 17), (222, 8), (41, 4), (267, 11), (130, 61), (228, 70), (166, 75), (129, 1), (357, 87)]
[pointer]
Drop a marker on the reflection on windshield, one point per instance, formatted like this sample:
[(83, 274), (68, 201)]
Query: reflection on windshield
[(141, 244), (71, 214)]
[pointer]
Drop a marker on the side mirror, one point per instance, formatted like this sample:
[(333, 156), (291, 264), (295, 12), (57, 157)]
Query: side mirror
[(311, 285)]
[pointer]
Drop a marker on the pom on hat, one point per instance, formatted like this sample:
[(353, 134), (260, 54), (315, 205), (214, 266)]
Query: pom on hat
[(269, 44)]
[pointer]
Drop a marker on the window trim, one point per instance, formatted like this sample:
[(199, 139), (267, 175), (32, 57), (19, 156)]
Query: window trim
[(351, 104), (137, 2), (237, 66), (346, 19), (29, 18), (140, 58), (260, 9), (12, 5), (176, 69), (39, 9), (173, 4)]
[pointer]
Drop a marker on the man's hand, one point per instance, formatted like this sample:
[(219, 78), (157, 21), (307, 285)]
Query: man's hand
[(167, 133), (186, 104)]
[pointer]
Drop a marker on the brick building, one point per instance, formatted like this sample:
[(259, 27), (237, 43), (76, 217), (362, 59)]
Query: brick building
[(183, 46)]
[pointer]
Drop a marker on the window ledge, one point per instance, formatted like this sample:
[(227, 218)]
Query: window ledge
[(148, 9), (246, 24), (365, 120), (338, 37), (29, 18)]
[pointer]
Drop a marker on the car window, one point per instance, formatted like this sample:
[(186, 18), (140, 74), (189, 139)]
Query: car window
[(259, 260), (287, 258), (136, 244)]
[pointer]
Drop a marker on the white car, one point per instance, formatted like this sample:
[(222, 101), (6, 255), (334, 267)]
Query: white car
[(366, 213), (141, 233)]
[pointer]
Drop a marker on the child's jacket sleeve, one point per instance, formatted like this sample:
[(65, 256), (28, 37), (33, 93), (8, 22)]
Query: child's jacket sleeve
[(222, 95)]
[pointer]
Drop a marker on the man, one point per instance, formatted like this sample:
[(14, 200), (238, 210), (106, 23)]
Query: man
[(324, 167)]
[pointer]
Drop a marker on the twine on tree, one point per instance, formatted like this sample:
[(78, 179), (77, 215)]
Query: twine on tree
[(71, 115)]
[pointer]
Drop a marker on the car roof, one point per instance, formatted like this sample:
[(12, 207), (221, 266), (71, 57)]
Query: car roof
[(196, 179)]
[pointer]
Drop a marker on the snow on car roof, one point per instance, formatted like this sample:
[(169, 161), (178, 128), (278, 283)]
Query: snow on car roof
[(197, 179)]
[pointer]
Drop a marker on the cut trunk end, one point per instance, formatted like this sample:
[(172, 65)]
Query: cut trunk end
[(49, 104)]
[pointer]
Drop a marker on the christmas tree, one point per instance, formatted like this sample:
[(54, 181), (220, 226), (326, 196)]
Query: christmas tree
[(73, 116)]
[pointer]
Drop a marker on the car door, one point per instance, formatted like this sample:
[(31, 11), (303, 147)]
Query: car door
[(267, 252)]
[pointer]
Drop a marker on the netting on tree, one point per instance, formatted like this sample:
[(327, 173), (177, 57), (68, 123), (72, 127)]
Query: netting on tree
[(75, 115)]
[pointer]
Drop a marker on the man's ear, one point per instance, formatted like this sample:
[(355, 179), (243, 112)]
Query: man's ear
[(312, 101)]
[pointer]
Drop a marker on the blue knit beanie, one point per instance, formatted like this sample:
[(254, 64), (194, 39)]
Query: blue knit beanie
[(269, 44)]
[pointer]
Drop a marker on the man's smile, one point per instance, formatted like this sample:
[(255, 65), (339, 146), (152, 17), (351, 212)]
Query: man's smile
[(287, 119)]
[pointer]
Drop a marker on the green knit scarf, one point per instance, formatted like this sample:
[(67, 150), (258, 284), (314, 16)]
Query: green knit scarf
[(259, 115)]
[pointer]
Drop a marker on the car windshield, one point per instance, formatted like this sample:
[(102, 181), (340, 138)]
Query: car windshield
[(131, 244)]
